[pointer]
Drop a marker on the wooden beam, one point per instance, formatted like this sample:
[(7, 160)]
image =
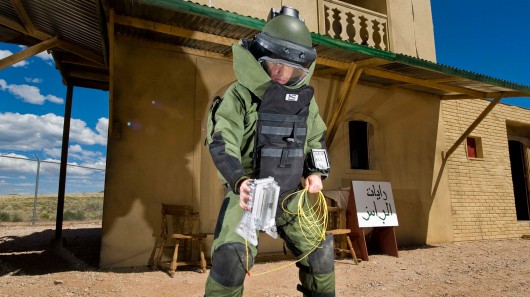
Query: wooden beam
[(350, 81), (26, 20), (425, 83), (438, 80), (90, 84), (333, 63), (173, 30), (371, 62), (102, 21), (175, 48), (448, 79), (9, 23), (507, 94), (28, 52), (75, 49), (472, 127), (330, 71), (82, 52), (113, 131), (97, 76), (80, 61), (340, 112)]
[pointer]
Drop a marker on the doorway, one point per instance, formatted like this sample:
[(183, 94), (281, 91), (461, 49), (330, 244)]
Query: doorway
[(520, 179)]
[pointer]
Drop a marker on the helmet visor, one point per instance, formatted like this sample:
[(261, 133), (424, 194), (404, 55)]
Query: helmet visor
[(283, 72)]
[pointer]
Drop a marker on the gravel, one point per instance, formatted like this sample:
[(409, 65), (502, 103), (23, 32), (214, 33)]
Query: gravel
[(31, 266)]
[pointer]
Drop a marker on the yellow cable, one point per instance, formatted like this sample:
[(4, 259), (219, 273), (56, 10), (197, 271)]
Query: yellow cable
[(315, 222)]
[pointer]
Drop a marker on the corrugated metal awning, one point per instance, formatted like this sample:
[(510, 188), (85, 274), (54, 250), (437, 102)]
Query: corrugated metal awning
[(176, 21), (81, 56)]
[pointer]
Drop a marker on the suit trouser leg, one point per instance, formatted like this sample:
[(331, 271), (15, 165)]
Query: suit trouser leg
[(231, 257), (316, 267)]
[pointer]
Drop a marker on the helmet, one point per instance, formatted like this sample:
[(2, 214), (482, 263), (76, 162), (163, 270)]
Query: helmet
[(286, 38)]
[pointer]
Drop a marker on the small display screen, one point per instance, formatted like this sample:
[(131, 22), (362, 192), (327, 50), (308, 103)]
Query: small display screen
[(320, 159)]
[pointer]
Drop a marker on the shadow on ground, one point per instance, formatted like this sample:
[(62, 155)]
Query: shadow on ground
[(39, 253)]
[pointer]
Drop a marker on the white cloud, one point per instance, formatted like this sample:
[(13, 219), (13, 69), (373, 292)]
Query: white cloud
[(78, 156), (102, 126), (45, 56), (94, 159), (28, 132), (52, 152), (16, 164), (33, 80), (29, 94), (6, 53)]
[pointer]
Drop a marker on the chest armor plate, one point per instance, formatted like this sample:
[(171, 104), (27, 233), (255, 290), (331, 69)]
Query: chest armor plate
[(281, 134)]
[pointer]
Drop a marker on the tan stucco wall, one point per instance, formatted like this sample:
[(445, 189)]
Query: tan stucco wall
[(156, 153), (407, 145), (164, 95), (411, 28), (482, 195), (260, 9)]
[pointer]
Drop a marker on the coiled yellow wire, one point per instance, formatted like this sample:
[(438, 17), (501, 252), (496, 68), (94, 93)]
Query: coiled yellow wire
[(313, 220)]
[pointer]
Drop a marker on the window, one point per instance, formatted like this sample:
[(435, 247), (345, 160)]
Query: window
[(359, 152), (474, 147)]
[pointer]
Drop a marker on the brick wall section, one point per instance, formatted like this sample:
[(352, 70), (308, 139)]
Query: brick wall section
[(482, 199)]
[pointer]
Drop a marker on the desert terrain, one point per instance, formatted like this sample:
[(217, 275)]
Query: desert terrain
[(30, 266)]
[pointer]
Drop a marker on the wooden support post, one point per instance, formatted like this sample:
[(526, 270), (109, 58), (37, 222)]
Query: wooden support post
[(352, 77), (64, 160), (29, 52)]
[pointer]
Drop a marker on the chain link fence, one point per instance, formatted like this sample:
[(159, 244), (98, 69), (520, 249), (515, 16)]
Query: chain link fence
[(29, 190)]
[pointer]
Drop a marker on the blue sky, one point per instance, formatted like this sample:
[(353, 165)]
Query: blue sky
[(32, 102), (485, 36), (488, 37), (32, 107)]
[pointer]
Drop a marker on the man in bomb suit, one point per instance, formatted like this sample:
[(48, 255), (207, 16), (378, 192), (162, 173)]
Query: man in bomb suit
[(267, 124)]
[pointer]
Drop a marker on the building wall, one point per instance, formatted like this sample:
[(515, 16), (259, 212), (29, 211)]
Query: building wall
[(407, 154), (482, 196), (411, 28), (159, 101), (156, 154)]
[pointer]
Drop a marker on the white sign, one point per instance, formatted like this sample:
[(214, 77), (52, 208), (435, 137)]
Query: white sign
[(375, 204)]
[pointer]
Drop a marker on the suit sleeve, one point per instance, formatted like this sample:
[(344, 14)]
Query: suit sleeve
[(224, 142)]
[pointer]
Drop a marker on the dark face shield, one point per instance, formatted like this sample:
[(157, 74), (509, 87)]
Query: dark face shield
[(283, 72)]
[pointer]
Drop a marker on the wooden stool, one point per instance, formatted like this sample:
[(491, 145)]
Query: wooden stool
[(337, 228)]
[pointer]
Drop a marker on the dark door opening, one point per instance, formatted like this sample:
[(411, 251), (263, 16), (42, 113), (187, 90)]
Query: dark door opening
[(519, 178)]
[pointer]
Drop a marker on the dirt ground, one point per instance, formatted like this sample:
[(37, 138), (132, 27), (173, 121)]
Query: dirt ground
[(29, 267)]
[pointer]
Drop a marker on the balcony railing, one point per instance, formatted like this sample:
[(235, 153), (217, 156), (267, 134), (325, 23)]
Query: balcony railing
[(352, 23)]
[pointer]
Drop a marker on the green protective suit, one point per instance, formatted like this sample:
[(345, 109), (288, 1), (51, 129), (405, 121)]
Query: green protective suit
[(231, 137)]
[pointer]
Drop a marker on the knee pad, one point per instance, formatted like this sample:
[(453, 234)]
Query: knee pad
[(229, 264), (322, 260)]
